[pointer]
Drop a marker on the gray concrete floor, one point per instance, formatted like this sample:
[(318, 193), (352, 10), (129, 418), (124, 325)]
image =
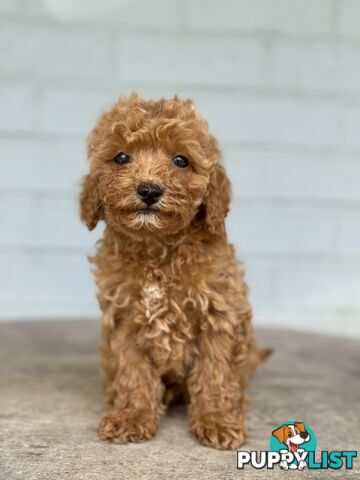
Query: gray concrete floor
[(51, 401)]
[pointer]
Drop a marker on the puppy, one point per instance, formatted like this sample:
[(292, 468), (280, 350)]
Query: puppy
[(292, 436), (176, 318)]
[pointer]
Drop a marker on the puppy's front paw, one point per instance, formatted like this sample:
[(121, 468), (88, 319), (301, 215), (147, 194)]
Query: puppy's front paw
[(122, 426), (218, 433)]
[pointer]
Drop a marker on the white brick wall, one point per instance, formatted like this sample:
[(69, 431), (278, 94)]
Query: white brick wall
[(348, 25), (17, 111), (275, 16), (278, 81), (293, 176), (142, 57), (324, 67), (49, 50)]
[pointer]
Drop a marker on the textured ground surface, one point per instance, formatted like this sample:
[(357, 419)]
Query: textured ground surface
[(50, 403)]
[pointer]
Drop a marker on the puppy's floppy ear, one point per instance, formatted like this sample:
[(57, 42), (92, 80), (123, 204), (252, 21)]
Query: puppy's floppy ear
[(280, 433), (90, 203), (300, 426), (216, 200)]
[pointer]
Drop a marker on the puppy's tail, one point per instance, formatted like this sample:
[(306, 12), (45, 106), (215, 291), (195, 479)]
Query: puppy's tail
[(256, 357), (264, 354)]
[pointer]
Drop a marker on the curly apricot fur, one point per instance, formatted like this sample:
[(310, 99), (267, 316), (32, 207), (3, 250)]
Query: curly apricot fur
[(176, 316)]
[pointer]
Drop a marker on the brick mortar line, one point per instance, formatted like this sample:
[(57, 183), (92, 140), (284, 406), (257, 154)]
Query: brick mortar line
[(31, 81), (332, 37)]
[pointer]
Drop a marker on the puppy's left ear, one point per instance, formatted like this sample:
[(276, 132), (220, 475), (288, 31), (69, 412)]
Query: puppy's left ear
[(216, 200), (280, 434), (90, 203)]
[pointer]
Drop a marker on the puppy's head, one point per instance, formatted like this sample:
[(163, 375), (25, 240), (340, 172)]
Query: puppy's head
[(292, 435), (154, 170)]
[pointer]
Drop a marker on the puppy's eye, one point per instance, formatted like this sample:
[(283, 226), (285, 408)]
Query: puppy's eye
[(180, 161), (121, 158), (290, 434)]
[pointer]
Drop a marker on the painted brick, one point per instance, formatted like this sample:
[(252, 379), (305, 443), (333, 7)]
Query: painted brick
[(282, 230), (41, 164), (42, 221), (350, 118), (33, 8), (315, 66), (307, 17), (261, 279), (54, 51), (317, 320), (349, 234), (348, 20), (190, 59), (8, 7), (291, 175), (71, 111), (17, 112), (44, 280), (276, 119), (314, 285), (159, 15), (23, 9)]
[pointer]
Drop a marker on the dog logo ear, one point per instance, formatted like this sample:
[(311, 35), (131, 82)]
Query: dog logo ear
[(216, 200), (280, 433), (300, 426), (90, 204)]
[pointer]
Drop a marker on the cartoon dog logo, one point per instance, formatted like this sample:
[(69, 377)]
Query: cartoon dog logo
[(292, 436)]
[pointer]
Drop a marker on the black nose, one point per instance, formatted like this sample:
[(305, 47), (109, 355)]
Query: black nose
[(304, 435), (149, 192)]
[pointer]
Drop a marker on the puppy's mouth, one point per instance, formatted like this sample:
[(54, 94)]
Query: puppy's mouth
[(293, 447), (147, 211), (154, 211)]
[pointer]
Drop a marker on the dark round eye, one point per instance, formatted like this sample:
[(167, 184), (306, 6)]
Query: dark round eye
[(290, 434), (180, 161), (121, 158)]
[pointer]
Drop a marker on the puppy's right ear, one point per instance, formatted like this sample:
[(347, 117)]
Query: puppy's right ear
[(300, 425), (90, 203)]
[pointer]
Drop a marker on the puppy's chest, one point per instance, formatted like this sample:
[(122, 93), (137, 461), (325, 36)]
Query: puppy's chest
[(167, 322)]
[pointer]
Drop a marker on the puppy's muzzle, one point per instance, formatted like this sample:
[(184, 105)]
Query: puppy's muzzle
[(149, 193)]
